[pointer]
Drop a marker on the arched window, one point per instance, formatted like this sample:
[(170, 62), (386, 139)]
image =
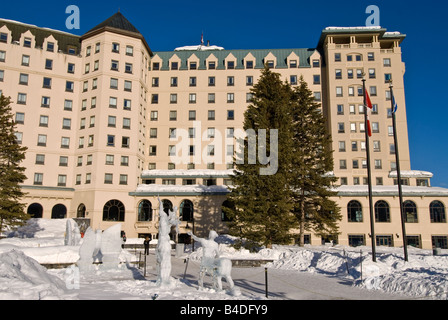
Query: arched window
[(226, 204), (382, 211), (145, 211), (81, 212), (437, 212), (113, 211), (186, 210), (354, 211), (410, 211), (167, 206), (35, 210), (59, 211)]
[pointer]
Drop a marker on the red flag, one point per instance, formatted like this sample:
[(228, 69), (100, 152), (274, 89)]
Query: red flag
[(369, 126), (368, 102)]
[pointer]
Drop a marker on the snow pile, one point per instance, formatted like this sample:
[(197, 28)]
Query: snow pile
[(21, 277), (424, 275)]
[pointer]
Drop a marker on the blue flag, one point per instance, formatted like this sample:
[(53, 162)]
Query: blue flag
[(395, 105)]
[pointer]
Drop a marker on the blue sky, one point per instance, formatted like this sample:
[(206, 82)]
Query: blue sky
[(265, 24)]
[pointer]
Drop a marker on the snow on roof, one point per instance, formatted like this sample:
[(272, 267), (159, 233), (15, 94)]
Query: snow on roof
[(187, 173), (199, 48), (393, 190), (354, 28), (412, 174), (34, 26), (171, 189)]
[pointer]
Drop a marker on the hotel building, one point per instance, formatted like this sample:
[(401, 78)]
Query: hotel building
[(111, 126)]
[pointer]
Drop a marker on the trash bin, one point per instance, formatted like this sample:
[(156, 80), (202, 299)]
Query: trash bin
[(436, 251), (180, 250)]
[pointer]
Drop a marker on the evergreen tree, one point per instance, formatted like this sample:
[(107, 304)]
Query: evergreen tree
[(11, 173), (263, 204), (312, 167)]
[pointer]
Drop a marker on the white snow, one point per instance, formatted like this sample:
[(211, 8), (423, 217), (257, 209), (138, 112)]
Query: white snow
[(200, 47), (22, 277)]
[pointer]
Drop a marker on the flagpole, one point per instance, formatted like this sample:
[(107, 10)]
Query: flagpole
[(400, 191), (369, 174)]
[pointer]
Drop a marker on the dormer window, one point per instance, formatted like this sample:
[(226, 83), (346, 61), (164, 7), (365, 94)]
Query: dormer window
[(27, 42), (50, 46), (249, 64), (293, 64), (230, 64), (3, 37)]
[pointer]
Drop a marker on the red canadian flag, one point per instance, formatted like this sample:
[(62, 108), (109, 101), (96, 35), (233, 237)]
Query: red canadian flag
[(370, 106)]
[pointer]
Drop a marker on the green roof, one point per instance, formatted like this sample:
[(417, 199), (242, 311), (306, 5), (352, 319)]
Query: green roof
[(65, 40), (117, 21), (259, 54)]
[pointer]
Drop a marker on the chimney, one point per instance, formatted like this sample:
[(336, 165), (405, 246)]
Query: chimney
[(208, 43)]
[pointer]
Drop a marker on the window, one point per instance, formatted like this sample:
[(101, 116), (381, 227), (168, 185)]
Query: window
[(230, 64), (71, 68), (371, 56), (47, 83), (129, 51), (211, 98), (211, 115), (173, 81), (113, 83), (127, 85), (316, 63), (211, 81), (111, 121), (23, 79), (372, 74), (387, 62), (154, 115), (123, 179), (21, 98), (25, 60), (192, 98), (174, 66), (437, 212), (293, 63), (249, 80), (382, 211), (339, 92), (113, 210), (125, 142), (173, 115), (270, 64), (211, 65), (114, 65), (293, 80), (20, 118), (115, 47), (2, 56), (38, 179), (40, 159), (230, 115), (192, 115), (124, 161), (110, 140), (410, 212), (340, 109), (341, 146), (230, 98), (69, 86), (42, 140), (128, 68), (249, 64), (173, 98), (230, 81), (126, 123), (341, 127), (155, 66), (127, 104), (66, 124), (65, 142), (3, 37), (354, 211), (27, 42), (337, 57), (152, 150), (193, 65), (49, 64)]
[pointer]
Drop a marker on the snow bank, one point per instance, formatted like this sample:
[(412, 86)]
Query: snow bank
[(23, 278), (424, 275)]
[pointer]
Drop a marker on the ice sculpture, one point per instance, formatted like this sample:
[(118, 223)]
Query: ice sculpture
[(212, 264), (103, 246), (72, 233), (86, 250), (111, 247), (163, 252)]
